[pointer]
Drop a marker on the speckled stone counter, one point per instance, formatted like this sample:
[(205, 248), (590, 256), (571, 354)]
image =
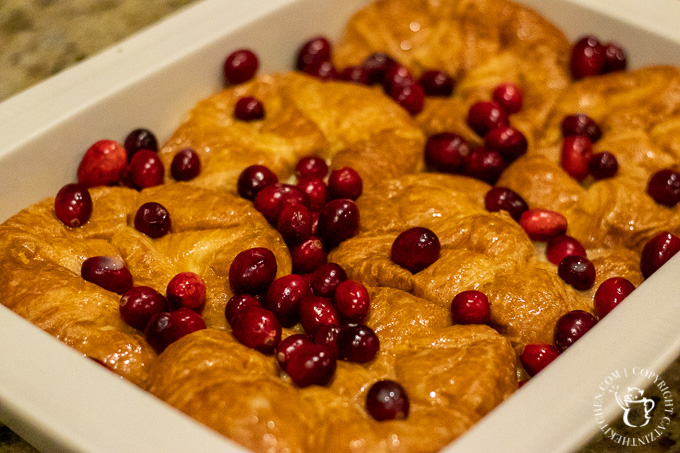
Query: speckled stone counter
[(39, 38)]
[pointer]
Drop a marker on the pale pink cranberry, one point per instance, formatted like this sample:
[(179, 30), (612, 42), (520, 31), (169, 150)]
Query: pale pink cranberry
[(657, 251), (311, 365), (240, 66), (253, 179), (345, 183), (358, 344), (614, 58), (186, 289), (387, 400), (560, 246), (415, 249), (484, 116), (289, 346), (248, 108), (577, 271), (470, 307), (485, 164), (352, 300), (504, 199), (153, 220), (311, 166), (377, 65), (509, 96), (165, 328), (237, 303), (437, 83), (108, 272), (603, 165), (316, 190), (410, 97), (508, 141), (316, 312), (73, 205), (146, 169), (186, 165), (542, 224), (326, 278), (577, 151), (572, 326), (308, 255), (140, 139), (397, 75), (257, 328), (104, 163), (328, 336), (338, 221), (314, 51), (610, 293), (252, 271), (446, 152), (581, 124), (664, 187), (138, 304), (284, 296), (355, 74), (537, 356), (295, 224), (587, 58), (274, 198)]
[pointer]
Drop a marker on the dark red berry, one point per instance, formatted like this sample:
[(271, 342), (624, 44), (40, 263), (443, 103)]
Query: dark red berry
[(326, 278), (249, 108), (252, 271), (535, 357), (509, 96), (485, 164), (104, 163), (153, 220), (664, 187), (437, 83), (446, 152), (165, 328), (316, 312), (322, 70), (603, 165), (311, 166), (484, 116), (355, 74), (577, 271), (610, 293), (353, 301), (387, 400), (358, 344), (508, 141), (253, 179), (314, 51), (397, 75), (328, 336), (237, 303), (572, 326), (377, 65), (146, 170), (274, 198), (108, 272), (415, 249), (308, 255), (289, 346), (316, 190), (138, 304), (345, 183), (542, 224), (295, 224), (614, 58), (257, 328), (587, 58), (504, 199), (73, 205), (561, 246), (338, 221), (581, 124), (312, 365), (186, 165), (140, 139), (186, 289), (284, 296), (470, 307), (577, 151), (240, 66), (657, 251), (410, 97)]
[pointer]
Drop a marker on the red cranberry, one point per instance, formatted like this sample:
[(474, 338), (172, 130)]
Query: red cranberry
[(446, 152), (504, 199), (587, 58), (316, 190), (186, 289), (470, 307), (345, 183), (311, 166), (328, 336), (253, 179), (387, 400), (284, 297), (509, 96), (240, 66), (576, 154), (610, 293), (664, 187), (295, 224), (355, 74), (614, 58), (146, 169), (165, 328), (535, 357), (316, 312), (312, 365), (485, 165), (572, 326), (561, 246), (104, 163), (581, 124), (397, 75), (108, 272), (542, 224), (353, 301), (153, 220), (410, 97), (338, 221), (139, 304), (308, 255), (186, 165), (252, 271), (140, 139), (322, 70), (415, 249), (326, 278), (485, 116), (508, 141), (358, 344), (274, 198), (657, 251), (238, 303), (437, 83), (603, 165), (315, 223), (577, 271), (522, 383), (289, 346), (249, 108), (73, 205), (377, 65), (257, 328), (314, 51)]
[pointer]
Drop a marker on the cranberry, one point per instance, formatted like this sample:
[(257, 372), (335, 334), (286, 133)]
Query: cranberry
[(315, 223), (614, 58), (322, 70), (353, 301), (326, 278), (314, 51), (108, 272), (252, 271), (587, 58), (153, 220), (657, 251), (274, 198), (311, 166), (253, 179), (577, 271), (504, 199), (338, 221), (508, 141), (542, 224), (415, 249), (257, 328), (249, 108), (397, 75), (535, 357), (572, 326), (139, 304), (358, 344), (240, 66), (328, 336), (437, 83), (146, 169), (186, 165), (345, 183), (284, 296), (576, 154), (316, 312), (289, 346), (603, 165), (308, 255), (485, 116), (561, 246), (377, 65), (186, 289), (140, 139), (316, 190), (355, 74), (387, 400), (581, 124), (522, 383), (664, 187), (509, 96), (485, 165), (237, 303), (610, 293), (446, 152), (410, 97), (470, 307), (165, 328), (104, 163), (295, 224), (312, 365), (73, 205)]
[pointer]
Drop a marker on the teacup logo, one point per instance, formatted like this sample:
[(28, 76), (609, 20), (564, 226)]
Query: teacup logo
[(634, 400)]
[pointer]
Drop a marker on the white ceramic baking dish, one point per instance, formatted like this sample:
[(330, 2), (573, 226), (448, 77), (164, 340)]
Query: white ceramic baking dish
[(59, 401)]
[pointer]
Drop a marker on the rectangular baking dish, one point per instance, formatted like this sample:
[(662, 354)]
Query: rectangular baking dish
[(60, 402)]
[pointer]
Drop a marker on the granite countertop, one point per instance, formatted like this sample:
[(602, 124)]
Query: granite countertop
[(39, 38)]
